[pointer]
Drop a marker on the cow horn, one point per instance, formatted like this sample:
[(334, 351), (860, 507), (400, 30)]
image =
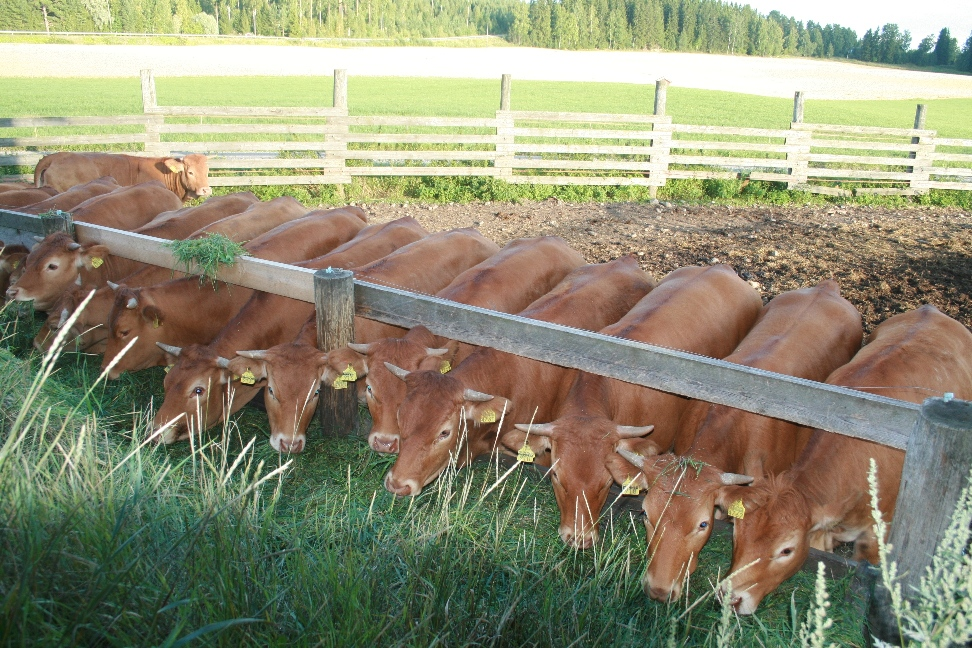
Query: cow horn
[(65, 316), (732, 479), (253, 355), (113, 286), (39, 239), (540, 429), (132, 303), (633, 457), (363, 349), (222, 362), (475, 396), (398, 371), (168, 348), (633, 431), (436, 352), (73, 245)]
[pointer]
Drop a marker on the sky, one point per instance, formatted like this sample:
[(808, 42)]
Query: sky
[(920, 18)]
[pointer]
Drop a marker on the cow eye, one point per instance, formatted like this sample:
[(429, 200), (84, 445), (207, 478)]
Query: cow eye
[(124, 333), (786, 552), (704, 525), (198, 391), (52, 266), (270, 390), (444, 434), (317, 391), (370, 391)]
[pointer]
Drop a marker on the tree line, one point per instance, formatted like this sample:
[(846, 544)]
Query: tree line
[(677, 25)]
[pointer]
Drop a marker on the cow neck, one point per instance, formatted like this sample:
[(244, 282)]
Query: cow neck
[(190, 309), (265, 321)]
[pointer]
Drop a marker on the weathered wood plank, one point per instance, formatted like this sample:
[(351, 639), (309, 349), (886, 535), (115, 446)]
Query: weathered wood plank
[(887, 191), (618, 181), (729, 146), (15, 220), (837, 409), (951, 157), (863, 130), (245, 111), (715, 160), (597, 165), (72, 140), (950, 171), (359, 154), (44, 122), (727, 130), (585, 149), (246, 181), (955, 186), (209, 129), (274, 163), (585, 133), (861, 159), (249, 147), (20, 159), (702, 175), (414, 138), (862, 145), (950, 141), (394, 120), (606, 118), (861, 174), (419, 171)]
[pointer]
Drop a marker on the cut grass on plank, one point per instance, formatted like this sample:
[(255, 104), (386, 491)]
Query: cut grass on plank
[(205, 256), (464, 98)]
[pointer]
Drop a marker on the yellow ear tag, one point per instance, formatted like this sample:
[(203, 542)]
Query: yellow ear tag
[(629, 487), (168, 367), (15, 264), (445, 367), (96, 262), (526, 453), (349, 374), (339, 383), (156, 323), (488, 416), (247, 378), (737, 509)]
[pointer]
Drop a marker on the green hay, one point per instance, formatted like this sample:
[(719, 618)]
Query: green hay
[(204, 256)]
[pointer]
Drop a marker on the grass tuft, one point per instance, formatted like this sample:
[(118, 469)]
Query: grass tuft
[(204, 256)]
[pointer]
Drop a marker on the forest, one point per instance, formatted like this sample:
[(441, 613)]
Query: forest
[(674, 25)]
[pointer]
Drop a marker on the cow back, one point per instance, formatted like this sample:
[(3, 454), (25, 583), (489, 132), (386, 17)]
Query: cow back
[(71, 198), (182, 223), (24, 197), (257, 219), (310, 236), (127, 208)]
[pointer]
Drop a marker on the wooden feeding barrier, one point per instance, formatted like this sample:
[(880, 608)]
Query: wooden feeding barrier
[(327, 145), (936, 436)]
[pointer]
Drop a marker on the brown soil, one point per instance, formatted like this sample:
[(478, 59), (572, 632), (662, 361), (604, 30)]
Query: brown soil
[(887, 261)]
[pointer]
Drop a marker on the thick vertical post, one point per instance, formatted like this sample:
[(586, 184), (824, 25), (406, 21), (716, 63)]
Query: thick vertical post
[(923, 155), (341, 89), (505, 82), (661, 96), (149, 99), (920, 113), (153, 117), (57, 221), (936, 469), (798, 107), (334, 300)]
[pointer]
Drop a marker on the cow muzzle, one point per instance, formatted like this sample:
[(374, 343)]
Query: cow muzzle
[(203, 192), (290, 446), (578, 538), (13, 293), (383, 442), (402, 488)]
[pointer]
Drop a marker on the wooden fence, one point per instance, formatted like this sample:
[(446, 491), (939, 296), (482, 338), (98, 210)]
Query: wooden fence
[(282, 146), (937, 436)]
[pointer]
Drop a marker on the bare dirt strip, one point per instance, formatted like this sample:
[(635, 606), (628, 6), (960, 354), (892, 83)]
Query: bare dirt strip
[(772, 77)]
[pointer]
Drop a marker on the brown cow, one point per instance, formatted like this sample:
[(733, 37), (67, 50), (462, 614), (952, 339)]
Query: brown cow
[(190, 222), (701, 310), (456, 416), (68, 200), (265, 321), (184, 311), (257, 219), (293, 371), (127, 208), (24, 197), (806, 333), (824, 499), (186, 177), (15, 186), (11, 263), (522, 272)]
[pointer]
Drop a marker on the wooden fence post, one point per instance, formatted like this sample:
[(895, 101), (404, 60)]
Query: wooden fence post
[(341, 90), (923, 156), (57, 221), (336, 154), (334, 300), (503, 163), (798, 107), (153, 118), (936, 469), (661, 141)]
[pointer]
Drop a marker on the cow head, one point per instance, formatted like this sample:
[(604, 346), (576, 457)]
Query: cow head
[(384, 392), (292, 376), (11, 267), (198, 386), (583, 465), (193, 172), (51, 268), (682, 495), (438, 420), (89, 331), (133, 315), (771, 540)]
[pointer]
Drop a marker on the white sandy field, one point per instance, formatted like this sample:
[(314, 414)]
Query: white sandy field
[(771, 77)]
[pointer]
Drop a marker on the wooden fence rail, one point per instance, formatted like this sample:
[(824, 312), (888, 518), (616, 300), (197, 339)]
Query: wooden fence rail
[(327, 145)]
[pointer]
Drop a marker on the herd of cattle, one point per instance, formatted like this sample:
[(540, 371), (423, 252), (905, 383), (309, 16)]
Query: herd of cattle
[(434, 401)]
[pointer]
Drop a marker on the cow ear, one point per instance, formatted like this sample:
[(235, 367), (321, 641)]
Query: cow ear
[(239, 366), (338, 361), (625, 473), (486, 412), (93, 256), (645, 447), (514, 439), (152, 315), (174, 165), (733, 496)]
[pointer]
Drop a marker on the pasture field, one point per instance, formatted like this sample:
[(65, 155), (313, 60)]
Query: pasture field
[(107, 541), (464, 98)]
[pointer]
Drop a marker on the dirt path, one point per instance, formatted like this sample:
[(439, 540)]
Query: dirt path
[(887, 261), (772, 77)]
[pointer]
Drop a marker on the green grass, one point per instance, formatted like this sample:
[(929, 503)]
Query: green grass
[(464, 98), (103, 540)]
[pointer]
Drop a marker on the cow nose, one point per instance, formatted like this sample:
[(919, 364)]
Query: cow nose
[(660, 594), (577, 540), (384, 443), (12, 293), (204, 191), (291, 446), (402, 488)]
